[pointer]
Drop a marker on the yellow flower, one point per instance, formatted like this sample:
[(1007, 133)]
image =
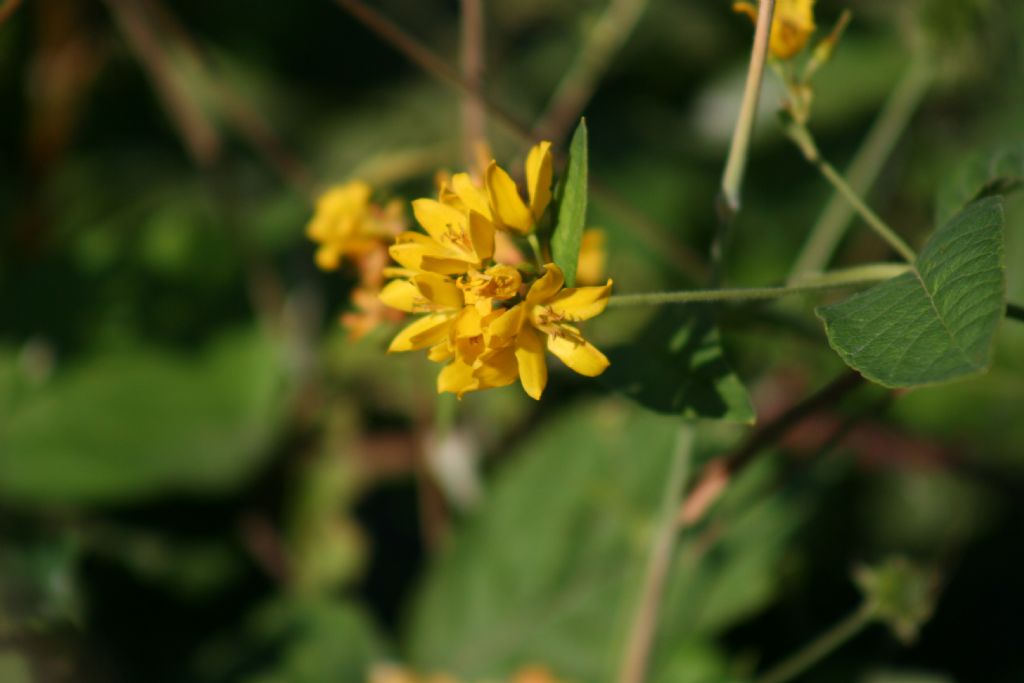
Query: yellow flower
[(544, 319), (508, 211), (593, 257), (455, 241), (535, 674), (497, 282), (792, 25), (429, 293), (344, 224)]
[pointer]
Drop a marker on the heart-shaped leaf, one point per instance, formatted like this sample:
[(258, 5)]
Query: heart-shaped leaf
[(936, 322)]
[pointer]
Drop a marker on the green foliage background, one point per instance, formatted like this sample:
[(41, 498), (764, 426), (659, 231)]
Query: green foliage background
[(202, 480)]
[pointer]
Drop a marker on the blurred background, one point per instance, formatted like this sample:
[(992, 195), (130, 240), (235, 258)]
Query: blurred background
[(202, 478)]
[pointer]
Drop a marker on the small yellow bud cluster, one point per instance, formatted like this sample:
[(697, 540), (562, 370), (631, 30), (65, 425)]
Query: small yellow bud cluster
[(348, 225)]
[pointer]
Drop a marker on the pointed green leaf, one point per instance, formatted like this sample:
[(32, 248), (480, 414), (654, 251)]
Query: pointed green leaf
[(936, 322), (572, 207), (677, 367), (997, 171)]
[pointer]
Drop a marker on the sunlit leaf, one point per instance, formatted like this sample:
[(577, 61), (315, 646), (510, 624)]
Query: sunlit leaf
[(935, 323)]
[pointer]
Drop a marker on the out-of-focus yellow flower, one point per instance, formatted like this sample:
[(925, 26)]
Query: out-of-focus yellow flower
[(345, 223), (593, 257), (392, 673), (792, 25), (544, 319), (508, 211), (535, 674)]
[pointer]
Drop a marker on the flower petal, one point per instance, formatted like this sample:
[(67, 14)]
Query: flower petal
[(581, 303), (473, 198), (403, 295), (427, 331), (439, 220), (418, 252), (481, 234), (579, 354), (506, 327), (457, 378), (547, 286), (533, 367), (538, 178), (496, 369), (509, 209), (438, 290)]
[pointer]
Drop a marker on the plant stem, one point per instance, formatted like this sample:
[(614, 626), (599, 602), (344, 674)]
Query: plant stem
[(732, 178), (645, 621), (820, 647), (1015, 312), (852, 277), (538, 253), (803, 139), (887, 129), (474, 122), (577, 86)]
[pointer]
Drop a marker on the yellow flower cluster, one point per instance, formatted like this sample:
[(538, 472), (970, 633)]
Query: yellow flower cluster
[(792, 25), (397, 674), (486, 320), (347, 224)]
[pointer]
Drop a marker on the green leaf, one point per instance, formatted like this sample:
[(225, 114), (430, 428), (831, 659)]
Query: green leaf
[(142, 422), (937, 322), (997, 171), (572, 207), (548, 571), (296, 640), (677, 367)]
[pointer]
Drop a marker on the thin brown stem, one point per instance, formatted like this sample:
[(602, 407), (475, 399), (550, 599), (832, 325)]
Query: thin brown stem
[(474, 121), (577, 86), (197, 133), (245, 118), (7, 9), (719, 473)]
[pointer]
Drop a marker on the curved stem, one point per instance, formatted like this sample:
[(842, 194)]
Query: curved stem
[(820, 647), (852, 277), (887, 129), (801, 136), (645, 619)]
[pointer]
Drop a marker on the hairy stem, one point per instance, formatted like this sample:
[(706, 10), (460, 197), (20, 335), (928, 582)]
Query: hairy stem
[(645, 621), (577, 86), (853, 277), (887, 129), (820, 647), (804, 141)]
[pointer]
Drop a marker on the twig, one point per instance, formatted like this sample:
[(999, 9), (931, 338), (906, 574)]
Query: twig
[(645, 621), (7, 9), (718, 473), (904, 101), (195, 130), (732, 178), (577, 86), (474, 122), (245, 118)]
